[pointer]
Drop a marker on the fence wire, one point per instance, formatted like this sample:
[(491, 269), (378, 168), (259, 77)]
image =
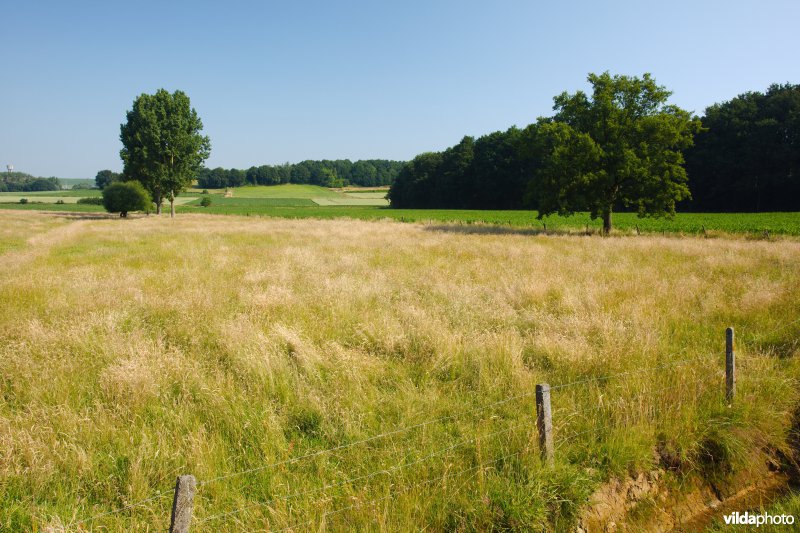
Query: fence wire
[(161, 494)]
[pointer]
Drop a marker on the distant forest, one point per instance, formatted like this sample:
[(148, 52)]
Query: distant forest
[(747, 158), (339, 173), (22, 182)]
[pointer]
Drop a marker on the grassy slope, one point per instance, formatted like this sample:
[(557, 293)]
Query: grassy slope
[(289, 190), (133, 351)]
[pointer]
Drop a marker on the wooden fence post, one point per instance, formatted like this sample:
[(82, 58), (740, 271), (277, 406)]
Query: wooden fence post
[(544, 422), (182, 504), (730, 367)]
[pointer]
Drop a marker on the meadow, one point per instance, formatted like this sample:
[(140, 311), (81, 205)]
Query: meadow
[(371, 375)]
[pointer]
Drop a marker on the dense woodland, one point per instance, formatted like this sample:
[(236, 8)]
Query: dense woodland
[(746, 158), (22, 182), (339, 173)]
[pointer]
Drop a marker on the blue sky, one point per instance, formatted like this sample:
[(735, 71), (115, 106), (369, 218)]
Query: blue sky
[(287, 81)]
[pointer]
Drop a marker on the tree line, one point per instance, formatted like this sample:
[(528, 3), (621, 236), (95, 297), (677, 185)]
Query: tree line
[(22, 182), (325, 173), (747, 158), (622, 147)]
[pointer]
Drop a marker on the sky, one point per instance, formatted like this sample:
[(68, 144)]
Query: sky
[(277, 82)]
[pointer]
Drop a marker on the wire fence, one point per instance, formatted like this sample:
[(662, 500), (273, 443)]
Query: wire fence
[(613, 403)]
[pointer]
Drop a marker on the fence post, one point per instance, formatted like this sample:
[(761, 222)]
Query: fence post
[(182, 504), (544, 422), (730, 367)]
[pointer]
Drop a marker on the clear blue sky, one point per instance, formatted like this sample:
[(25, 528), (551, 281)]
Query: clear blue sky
[(287, 81)]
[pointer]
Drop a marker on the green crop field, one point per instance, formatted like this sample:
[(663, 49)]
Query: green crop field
[(690, 223)]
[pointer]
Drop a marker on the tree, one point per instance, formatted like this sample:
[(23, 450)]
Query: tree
[(415, 183), (162, 144), (123, 196), (621, 147), (748, 157), (105, 178)]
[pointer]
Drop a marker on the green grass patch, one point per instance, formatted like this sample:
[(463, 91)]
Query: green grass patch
[(252, 203), (689, 223), (289, 190), (67, 207)]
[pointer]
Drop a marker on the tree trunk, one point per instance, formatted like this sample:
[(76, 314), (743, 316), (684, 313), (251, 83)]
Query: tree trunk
[(172, 204), (607, 221), (158, 202)]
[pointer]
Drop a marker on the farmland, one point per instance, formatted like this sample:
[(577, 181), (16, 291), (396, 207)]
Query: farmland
[(309, 201), (136, 350)]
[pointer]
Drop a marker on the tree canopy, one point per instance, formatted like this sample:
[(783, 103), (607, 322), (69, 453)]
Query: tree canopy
[(326, 173), (124, 196), (489, 172), (620, 147), (162, 144), (22, 182), (748, 156), (105, 178)]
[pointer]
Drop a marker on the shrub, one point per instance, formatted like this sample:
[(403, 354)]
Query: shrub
[(92, 200), (205, 191), (206, 201), (23, 200), (123, 196), (59, 202)]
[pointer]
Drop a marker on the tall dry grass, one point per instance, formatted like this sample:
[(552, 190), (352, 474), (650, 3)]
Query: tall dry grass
[(133, 351)]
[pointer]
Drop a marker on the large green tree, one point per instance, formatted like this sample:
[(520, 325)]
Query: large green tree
[(619, 147), (162, 144)]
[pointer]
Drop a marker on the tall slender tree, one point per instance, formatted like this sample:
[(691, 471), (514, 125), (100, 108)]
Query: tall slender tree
[(162, 144)]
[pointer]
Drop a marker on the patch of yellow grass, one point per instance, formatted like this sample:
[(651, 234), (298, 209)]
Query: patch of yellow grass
[(135, 350)]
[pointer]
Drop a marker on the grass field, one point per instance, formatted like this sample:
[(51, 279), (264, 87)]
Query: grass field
[(78, 193), (313, 194), (136, 350)]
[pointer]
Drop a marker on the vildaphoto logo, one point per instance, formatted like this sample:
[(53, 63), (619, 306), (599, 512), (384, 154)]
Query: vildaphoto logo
[(763, 519)]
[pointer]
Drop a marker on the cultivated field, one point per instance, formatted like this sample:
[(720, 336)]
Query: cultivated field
[(304, 194), (344, 374), (311, 201)]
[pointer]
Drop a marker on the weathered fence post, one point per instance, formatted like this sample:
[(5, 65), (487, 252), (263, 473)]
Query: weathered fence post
[(182, 504), (730, 367), (544, 422)]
